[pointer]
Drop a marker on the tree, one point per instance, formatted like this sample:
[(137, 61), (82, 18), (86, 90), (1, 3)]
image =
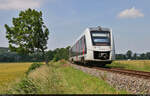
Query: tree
[(135, 56), (50, 55), (142, 56), (28, 33), (129, 54), (120, 56), (61, 53), (148, 55)]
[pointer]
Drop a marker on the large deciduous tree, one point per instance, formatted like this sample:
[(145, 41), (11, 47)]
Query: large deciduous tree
[(28, 33)]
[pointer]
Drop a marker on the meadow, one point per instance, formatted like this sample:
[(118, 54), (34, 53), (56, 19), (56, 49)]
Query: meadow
[(11, 72), (59, 78), (141, 65)]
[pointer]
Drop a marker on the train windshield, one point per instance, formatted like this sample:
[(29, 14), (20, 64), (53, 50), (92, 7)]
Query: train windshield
[(100, 38)]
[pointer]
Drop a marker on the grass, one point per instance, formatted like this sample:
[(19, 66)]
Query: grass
[(141, 65), (60, 78), (85, 84), (10, 72)]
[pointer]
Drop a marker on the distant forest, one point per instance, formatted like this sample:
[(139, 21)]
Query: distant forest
[(58, 54), (134, 56)]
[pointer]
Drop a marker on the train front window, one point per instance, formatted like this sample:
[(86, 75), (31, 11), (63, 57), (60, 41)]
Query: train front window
[(100, 38), (103, 40)]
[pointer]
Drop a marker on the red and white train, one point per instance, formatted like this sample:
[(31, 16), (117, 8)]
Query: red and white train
[(96, 44)]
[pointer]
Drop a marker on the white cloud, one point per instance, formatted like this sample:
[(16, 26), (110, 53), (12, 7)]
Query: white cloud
[(130, 13), (19, 4)]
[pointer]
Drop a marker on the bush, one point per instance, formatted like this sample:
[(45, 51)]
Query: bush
[(26, 86), (33, 67)]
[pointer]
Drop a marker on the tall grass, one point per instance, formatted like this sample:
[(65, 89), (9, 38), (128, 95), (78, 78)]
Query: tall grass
[(60, 78)]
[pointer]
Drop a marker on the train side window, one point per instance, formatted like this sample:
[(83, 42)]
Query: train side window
[(85, 45), (77, 47), (80, 46)]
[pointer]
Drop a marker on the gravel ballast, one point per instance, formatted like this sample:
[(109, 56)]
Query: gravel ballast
[(131, 84)]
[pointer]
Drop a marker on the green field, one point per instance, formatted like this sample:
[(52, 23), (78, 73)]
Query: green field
[(141, 65), (59, 78), (11, 72)]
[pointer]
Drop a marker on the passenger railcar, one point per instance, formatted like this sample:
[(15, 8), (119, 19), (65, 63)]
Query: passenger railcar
[(96, 44)]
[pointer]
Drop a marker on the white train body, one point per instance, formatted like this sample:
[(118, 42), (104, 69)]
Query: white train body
[(95, 44)]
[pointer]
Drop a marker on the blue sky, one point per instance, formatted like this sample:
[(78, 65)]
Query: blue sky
[(67, 19)]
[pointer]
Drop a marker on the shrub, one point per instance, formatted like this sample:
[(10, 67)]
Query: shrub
[(33, 67), (25, 86)]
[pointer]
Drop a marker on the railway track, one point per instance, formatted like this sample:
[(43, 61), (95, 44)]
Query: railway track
[(134, 73)]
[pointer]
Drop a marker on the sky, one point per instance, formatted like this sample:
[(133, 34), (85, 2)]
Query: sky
[(67, 19)]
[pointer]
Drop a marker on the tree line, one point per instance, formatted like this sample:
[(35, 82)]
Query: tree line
[(134, 56), (57, 54)]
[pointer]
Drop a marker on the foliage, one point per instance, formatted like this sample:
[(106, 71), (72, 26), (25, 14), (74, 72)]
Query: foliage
[(130, 55), (25, 86), (120, 56), (55, 55), (28, 33), (33, 67), (15, 57), (134, 56), (148, 55), (3, 50), (59, 53)]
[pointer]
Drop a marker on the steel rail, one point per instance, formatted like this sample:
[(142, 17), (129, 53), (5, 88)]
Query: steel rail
[(141, 74), (134, 73)]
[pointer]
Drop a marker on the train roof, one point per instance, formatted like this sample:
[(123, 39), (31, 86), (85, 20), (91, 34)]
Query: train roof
[(99, 28)]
